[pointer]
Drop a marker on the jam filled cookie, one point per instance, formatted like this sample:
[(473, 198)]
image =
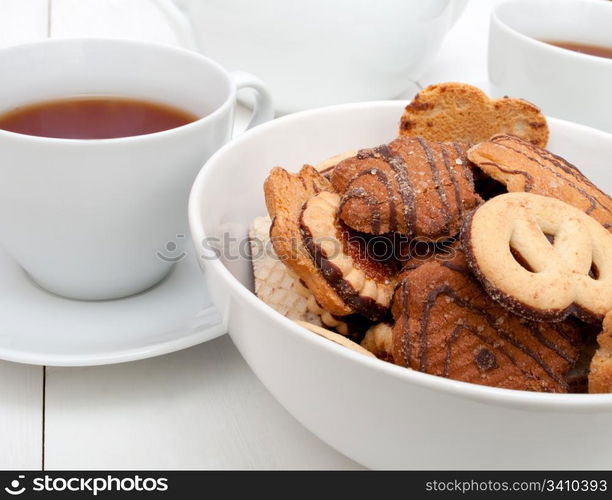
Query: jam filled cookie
[(410, 186), (311, 242), (541, 258), (462, 113), (521, 166), (600, 376), (446, 325)]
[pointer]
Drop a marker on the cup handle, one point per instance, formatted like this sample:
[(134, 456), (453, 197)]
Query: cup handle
[(263, 109)]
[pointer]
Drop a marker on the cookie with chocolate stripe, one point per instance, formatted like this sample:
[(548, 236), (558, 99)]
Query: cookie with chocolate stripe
[(447, 325), (410, 186), (522, 166)]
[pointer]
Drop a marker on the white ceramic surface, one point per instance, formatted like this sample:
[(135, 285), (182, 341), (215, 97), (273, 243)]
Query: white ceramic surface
[(563, 83), (317, 53), (92, 219), (378, 414), (37, 327)]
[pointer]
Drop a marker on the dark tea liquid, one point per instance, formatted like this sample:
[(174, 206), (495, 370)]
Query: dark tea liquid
[(94, 118), (583, 48)]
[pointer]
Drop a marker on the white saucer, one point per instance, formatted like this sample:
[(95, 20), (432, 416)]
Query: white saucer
[(37, 327)]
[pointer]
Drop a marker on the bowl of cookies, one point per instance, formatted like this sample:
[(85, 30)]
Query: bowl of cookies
[(423, 284)]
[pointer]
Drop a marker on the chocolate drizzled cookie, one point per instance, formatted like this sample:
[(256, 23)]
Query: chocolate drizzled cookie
[(446, 325), (409, 186), (521, 166), (313, 244)]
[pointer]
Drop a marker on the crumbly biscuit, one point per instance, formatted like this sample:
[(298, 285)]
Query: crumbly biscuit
[(521, 166), (410, 186), (462, 113), (540, 257), (600, 376), (447, 325)]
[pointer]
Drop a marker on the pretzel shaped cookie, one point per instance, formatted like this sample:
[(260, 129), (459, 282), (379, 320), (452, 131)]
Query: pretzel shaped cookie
[(540, 257)]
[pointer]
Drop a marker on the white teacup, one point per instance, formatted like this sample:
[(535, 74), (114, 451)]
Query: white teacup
[(563, 83), (101, 219)]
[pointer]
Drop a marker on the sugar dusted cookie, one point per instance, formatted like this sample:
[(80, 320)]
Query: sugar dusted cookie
[(540, 257), (447, 325), (461, 113), (521, 166), (411, 186)]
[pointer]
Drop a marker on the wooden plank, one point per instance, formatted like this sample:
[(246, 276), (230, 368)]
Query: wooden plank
[(21, 410), (21, 386), (201, 408)]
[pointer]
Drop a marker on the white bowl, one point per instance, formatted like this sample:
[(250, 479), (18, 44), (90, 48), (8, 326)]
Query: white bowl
[(379, 414)]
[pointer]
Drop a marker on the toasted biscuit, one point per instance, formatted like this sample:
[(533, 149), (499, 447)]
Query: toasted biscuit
[(521, 166), (540, 257), (600, 376), (410, 186), (461, 113), (285, 195), (446, 325)]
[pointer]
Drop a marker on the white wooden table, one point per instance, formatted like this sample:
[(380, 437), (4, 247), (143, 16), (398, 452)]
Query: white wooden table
[(195, 409)]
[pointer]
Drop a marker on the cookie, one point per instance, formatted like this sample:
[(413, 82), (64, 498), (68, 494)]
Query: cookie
[(410, 186), (600, 375), (379, 341), (462, 113), (281, 289), (521, 166), (364, 283), (336, 338), (309, 241), (275, 284), (447, 325), (541, 258)]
